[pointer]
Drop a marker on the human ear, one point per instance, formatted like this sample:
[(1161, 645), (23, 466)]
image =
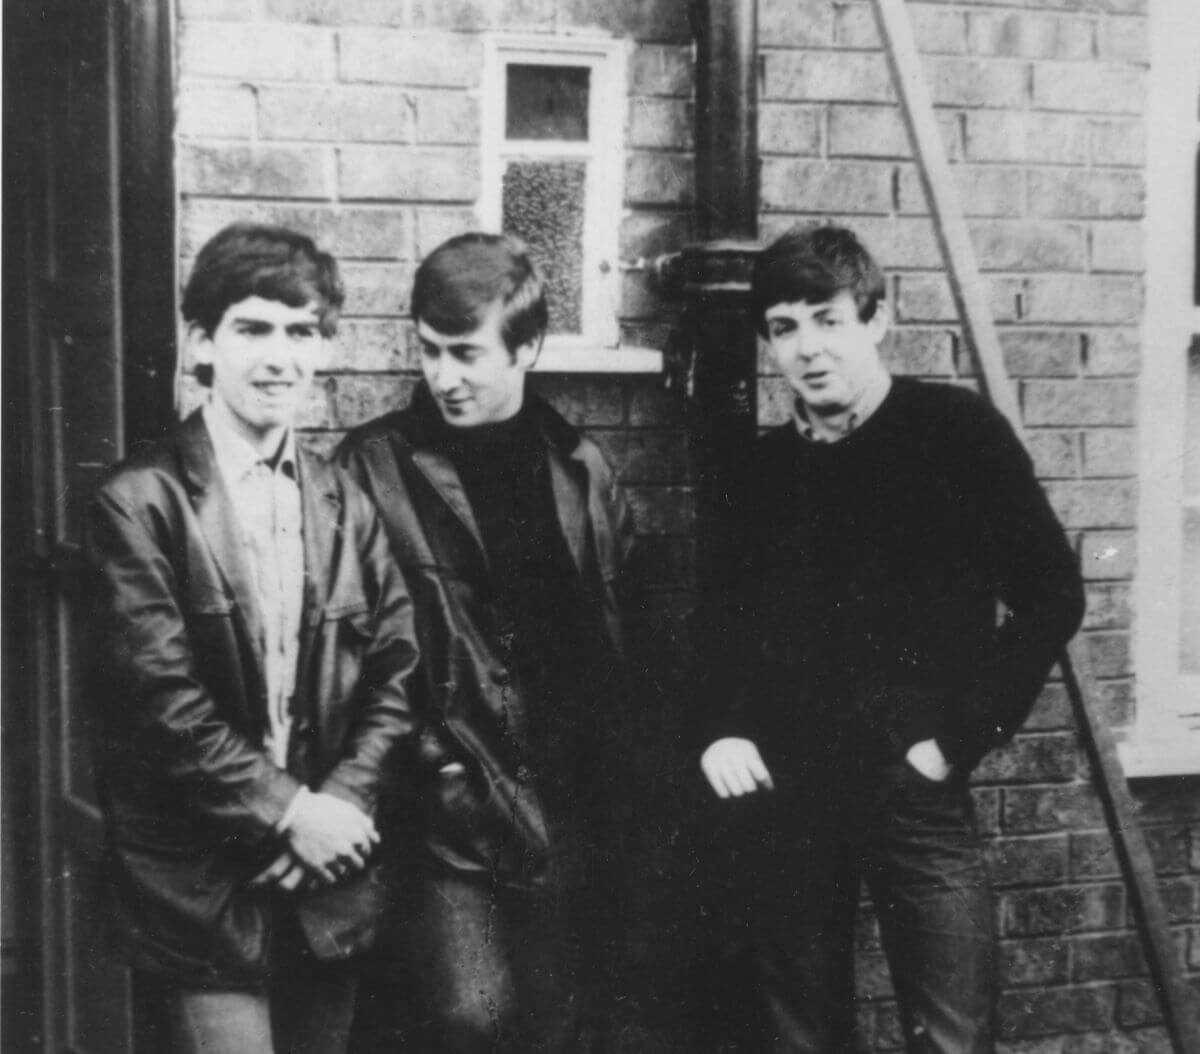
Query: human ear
[(199, 345), (880, 321)]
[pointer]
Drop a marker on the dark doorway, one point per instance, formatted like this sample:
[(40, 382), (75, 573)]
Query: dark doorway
[(87, 369)]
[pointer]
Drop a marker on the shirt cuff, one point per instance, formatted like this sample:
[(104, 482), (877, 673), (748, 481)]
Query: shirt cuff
[(289, 814)]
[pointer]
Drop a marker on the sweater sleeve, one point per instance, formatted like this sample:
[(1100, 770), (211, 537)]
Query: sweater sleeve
[(1038, 581), (728, 665)]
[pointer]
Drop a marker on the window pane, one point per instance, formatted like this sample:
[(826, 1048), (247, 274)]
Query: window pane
[(543, 204), (547, 102), (1189, 594)]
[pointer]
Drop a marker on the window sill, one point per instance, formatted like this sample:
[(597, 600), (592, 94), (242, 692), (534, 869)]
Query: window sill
[(599, 360)]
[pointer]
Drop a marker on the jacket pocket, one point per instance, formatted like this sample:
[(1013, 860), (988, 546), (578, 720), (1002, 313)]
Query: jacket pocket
[(483, 821)]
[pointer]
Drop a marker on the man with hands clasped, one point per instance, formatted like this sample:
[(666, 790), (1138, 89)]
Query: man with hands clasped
[(892, 590), (253, 635)]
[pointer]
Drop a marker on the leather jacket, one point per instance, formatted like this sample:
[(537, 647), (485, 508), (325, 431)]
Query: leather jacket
[(191, 800), (477, 809)]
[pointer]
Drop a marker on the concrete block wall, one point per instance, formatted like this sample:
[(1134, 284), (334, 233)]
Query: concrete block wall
[(1041, 108), (359, 122)]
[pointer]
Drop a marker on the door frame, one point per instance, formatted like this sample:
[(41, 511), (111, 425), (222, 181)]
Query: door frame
[(38, 820)]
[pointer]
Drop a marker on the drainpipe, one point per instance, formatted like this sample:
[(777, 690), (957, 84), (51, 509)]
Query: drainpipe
[(712, 277), (726, 119)]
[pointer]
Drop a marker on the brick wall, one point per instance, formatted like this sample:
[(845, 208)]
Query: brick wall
[(359, 122)]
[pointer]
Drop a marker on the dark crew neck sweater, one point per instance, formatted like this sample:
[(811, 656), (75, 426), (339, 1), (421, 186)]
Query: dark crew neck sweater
[(506, 477), (855, 607)]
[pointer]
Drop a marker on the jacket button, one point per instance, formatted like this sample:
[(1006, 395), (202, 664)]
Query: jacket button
[(502, 678)]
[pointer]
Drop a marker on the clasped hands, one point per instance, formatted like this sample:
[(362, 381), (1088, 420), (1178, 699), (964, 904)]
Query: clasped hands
[(734, 767), (327, 839)]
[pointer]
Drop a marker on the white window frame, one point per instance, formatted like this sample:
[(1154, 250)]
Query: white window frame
[(596, 348), (1165, 736)]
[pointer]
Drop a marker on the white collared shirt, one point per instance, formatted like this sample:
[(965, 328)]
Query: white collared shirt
[(266, 502)]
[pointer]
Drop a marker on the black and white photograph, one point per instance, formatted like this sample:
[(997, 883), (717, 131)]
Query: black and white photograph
[(600, 527)]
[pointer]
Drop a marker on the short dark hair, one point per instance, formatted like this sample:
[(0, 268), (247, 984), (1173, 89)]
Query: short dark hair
[(812, 264), (463, 277), (258, 259)]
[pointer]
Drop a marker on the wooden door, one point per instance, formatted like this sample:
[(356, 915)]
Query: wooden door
[(85, 382)]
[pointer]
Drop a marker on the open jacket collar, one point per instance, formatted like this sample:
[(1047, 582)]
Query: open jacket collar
[(421, 428), (214, 510), (321, 504)]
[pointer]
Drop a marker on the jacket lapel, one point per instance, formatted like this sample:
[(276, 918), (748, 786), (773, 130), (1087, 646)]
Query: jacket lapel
[(417, 427), (569, 478), (568, 475), (218, 523), (444, 479), (322, 512), (570, 500), (322, 507)]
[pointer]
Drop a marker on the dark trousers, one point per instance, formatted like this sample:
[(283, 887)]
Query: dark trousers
[(472, 965), (914, 844), (306, 1007)]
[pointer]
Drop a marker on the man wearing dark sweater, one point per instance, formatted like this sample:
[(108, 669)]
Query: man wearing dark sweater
[(893, 589), (512, 535)]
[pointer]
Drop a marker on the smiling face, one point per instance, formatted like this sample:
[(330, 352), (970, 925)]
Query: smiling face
[(474, 378), (263, 355), (825, 352)]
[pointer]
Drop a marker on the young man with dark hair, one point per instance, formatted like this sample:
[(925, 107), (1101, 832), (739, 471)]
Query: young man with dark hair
[(511, 533), (893, 590), (254, 635)]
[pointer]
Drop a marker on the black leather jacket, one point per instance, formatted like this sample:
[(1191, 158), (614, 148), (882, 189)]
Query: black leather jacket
[(478, 810), (190, 799)]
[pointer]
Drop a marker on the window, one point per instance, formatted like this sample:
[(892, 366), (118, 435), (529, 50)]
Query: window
[(1166, 735), (553, 165)]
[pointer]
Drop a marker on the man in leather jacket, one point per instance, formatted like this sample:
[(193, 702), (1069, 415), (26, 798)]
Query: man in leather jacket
[(511, 534), (253, 637)]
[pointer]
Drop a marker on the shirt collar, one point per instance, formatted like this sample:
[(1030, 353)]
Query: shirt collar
[(236, 457), (816, 429)]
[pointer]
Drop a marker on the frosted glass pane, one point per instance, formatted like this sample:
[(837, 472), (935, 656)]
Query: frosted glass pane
[(543, 204), (547, 102), (1189, 594), (1191, 428)]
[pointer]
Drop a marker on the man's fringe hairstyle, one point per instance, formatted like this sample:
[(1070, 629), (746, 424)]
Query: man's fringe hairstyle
[(257, 259), (463, 277), (812, 264)]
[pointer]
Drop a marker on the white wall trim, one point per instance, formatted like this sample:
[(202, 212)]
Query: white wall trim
[(599, 360), (1162, 740)]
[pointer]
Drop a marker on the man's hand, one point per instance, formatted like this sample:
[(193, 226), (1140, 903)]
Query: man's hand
[(927, 758), (733, 767), (285, 872), (330, 837)]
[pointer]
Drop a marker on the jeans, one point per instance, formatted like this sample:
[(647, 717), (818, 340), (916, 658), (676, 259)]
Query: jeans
[(914, 844), (306, 1007)]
